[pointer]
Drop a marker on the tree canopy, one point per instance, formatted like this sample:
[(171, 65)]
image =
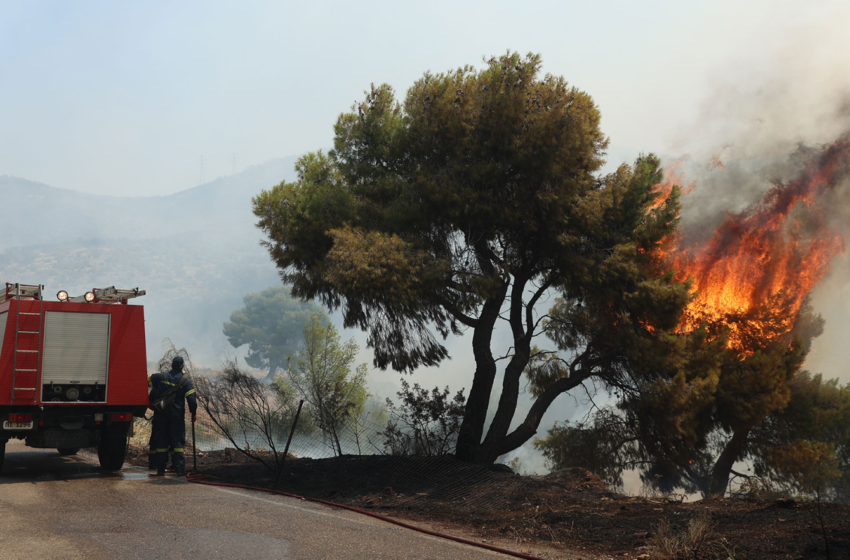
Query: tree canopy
[(463, 206), (271, 323)]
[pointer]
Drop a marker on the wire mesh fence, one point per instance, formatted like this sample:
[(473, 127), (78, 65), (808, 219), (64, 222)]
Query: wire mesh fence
[(357, 463)]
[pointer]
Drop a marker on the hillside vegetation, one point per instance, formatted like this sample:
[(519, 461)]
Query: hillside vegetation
[(196, 252)]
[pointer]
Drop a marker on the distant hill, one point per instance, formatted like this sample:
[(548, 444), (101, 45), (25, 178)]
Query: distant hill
[(196, 252)]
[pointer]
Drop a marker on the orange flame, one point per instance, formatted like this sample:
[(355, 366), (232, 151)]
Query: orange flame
[(672, 178), (775, 250)]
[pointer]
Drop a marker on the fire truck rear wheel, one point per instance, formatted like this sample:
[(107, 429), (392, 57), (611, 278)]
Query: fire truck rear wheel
[(111, 452), (68, 450)]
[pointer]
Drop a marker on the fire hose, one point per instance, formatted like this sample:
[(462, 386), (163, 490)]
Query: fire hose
[(198, 478)]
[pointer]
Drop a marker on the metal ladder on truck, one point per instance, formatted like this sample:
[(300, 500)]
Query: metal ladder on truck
[(18, 292)]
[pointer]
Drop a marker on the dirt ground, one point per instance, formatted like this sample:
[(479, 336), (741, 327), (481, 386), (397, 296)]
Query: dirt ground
[(566, 514)]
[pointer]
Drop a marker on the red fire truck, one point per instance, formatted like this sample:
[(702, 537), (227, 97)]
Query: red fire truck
[(73, 372)]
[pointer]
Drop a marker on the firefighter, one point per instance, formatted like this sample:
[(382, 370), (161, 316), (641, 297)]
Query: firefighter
[(169, 427), (152, 394), (151, 448)]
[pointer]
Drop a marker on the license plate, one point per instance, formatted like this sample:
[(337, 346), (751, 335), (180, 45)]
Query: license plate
[(17, 425)]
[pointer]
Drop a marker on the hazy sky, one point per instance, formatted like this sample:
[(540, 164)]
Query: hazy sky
[(126, 97)]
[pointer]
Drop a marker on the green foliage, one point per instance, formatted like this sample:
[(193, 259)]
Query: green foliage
[(601, 447), (410, 190), (366, 426), (806, 447), (271, 324), (476, 196), (321, 373), (713, 406), (424, 423)]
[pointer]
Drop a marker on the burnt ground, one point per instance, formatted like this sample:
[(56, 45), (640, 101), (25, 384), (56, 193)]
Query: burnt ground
[(566, 514)]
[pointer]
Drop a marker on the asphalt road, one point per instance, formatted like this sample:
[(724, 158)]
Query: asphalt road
[(54, 507)]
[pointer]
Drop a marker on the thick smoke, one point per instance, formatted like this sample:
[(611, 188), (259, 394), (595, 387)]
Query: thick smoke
[(757, 129)]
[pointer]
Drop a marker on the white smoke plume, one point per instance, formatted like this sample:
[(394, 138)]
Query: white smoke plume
[(750, 132)]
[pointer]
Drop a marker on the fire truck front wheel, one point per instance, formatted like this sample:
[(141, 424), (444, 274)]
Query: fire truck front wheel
[(111, 452)]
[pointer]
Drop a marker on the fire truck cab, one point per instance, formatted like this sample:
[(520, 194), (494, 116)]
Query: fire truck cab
[(73, 372)]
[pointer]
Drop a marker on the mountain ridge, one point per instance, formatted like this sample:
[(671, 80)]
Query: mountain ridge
[(197, 252)]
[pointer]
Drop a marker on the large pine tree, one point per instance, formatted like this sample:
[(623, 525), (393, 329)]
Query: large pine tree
[(462, 207)]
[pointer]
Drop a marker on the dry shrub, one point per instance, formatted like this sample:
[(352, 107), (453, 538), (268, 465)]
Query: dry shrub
[(169, 352), (696, 542), (252, 416)]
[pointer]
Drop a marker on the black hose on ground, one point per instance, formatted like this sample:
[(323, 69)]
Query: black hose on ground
[(198, 478)]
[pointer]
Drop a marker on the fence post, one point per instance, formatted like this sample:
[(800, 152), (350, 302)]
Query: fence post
[(292, 431)]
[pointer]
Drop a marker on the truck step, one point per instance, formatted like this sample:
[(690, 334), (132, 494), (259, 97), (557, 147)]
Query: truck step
[(26, 369), (23, 389), (29, 332), (33, 314), (28, 351)]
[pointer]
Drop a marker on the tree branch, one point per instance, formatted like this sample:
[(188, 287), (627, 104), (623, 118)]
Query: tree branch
[(531, 325), (529, 426)]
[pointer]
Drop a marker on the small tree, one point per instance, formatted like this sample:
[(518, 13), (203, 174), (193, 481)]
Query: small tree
[(270, 323), (425, 423), (249, 414), (321, 373), (366, 426)]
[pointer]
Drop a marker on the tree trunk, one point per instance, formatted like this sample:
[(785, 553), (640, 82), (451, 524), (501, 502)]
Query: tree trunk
[(475, 412), (525, 431), (488, 451), (273, 367), (723, 466)]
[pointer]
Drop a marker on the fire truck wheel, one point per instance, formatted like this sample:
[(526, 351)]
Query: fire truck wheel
[(111, 453), (68, 450)]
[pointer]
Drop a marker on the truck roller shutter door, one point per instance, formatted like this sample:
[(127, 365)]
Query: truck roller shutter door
[(76, 347)]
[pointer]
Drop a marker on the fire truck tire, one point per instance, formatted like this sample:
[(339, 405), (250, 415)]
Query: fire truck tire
[(68, 450), (111, 452)]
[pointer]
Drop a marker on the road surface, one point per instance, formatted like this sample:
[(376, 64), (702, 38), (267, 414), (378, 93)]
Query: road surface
[(54, 507)]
